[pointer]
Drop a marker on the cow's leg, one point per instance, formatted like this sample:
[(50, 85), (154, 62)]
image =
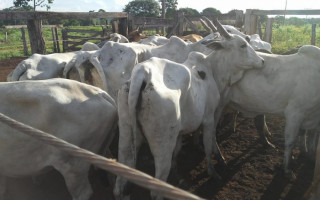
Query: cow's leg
[(217, 153), (292, 127), (126, 157), (310, 143), (125, 148), (175, 172), (2, 187), (262, 128), (176, 152), (210, 143), (162, 147), (235, 116), (76, 178)]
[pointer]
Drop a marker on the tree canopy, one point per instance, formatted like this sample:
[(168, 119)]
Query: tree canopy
[(189, 11), (171, 7), (36, 3), (210, 11), (143, 8)]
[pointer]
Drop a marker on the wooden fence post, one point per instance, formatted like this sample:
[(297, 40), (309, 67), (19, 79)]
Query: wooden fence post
[(115, 28), (131, 22), (64, 40), (313, 34), (54, 40), (180, 22), (268, 31), (57, 39), (250, 22), (36, 36), (24, 42), (247, 21), (239, 18), (123, 26)]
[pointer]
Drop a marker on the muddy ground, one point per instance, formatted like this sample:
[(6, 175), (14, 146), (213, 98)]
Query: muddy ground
[(253, 172)]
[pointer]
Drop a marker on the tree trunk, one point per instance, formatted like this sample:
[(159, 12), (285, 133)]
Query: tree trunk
[(36, 36)]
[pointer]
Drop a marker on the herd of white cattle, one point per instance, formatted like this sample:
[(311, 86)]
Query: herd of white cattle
[(156, 90)]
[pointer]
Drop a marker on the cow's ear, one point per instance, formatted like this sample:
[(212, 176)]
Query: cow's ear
[(216, 45), (235, 77)]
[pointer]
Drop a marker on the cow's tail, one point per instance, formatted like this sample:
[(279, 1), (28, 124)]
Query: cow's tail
[(138, 82), (94, 59), (68, 67), (17, 72)]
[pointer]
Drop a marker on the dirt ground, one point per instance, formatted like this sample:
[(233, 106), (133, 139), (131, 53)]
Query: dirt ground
[(253, 171)]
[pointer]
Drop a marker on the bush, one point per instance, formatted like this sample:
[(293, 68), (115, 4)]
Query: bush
[(285, 38)]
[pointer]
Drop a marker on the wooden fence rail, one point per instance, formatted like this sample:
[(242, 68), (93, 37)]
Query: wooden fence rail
[(54, 30), (122, 23), (34, 22), (251, 20), (72, 42)]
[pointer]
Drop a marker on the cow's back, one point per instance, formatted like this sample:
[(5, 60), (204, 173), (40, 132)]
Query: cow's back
[(72, 111)]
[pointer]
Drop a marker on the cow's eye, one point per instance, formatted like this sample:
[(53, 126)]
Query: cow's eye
[(243, 46)]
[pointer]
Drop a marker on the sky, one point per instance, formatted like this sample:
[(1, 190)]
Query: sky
[(223, 5)]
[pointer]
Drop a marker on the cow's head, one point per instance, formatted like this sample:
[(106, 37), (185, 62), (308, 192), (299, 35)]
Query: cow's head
[(136, 35), (233, 54)]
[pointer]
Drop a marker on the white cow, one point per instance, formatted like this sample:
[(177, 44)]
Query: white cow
[(258, 44), (166, 100), (254, 40), (154, 40), (286, 86), (89, 46), (40, 67), (115, 61), (115, 37), (78, 113)]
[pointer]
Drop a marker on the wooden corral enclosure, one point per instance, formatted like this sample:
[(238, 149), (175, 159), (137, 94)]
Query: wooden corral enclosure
[(34, 23), (55, 36), (251, 21), (123, 23), (72, 42)]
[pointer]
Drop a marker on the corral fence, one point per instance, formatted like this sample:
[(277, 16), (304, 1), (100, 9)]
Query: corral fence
[(252, 24), (54, 31), (74, 38), (183, 24), (123, 23), (34, 23)]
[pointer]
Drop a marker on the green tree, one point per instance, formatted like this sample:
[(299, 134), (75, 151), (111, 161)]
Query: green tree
[(36, 3), (171, 7), (143, 8), (189, 11), (210, 11)]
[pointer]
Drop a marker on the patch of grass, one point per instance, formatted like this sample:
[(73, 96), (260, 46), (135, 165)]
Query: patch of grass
[(285, 38)]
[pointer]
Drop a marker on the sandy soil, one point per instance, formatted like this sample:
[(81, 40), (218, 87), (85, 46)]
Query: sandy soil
[(253, 172)]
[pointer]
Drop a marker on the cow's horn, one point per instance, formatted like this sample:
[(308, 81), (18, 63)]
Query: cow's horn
[(220, 29), (209, 23)]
